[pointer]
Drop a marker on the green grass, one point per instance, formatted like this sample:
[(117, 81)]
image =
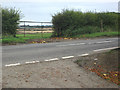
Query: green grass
[(99, 34), (34, 36), (21, 39)]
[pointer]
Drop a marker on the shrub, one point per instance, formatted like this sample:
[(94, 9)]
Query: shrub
[(71, 22), (9, 21)]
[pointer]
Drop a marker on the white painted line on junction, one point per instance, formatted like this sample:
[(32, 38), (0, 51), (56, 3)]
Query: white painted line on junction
[(67, 57), (86, 54), (77, 44), (72, 44), (32, 62), (103, 41), (62, 45), (54, 59), (16, 64), (81, 43), (104, 49), (46, 60)]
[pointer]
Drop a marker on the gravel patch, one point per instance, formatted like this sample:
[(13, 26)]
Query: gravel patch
[(55, 74)]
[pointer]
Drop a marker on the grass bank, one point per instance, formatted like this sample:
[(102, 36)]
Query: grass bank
[(98, 34), (21, 39), (105, 64), (38, 36)]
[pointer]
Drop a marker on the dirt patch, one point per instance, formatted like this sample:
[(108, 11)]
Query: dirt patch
[(49, 40), (55, 74), (105, 65)]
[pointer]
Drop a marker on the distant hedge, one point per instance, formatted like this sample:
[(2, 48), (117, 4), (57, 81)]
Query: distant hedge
[(9, 21), (70, 22)]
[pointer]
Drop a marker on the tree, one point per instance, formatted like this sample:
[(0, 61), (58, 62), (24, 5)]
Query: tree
[(9, 21)]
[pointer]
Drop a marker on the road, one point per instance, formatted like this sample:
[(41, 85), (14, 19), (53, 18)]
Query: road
[(51, 51)]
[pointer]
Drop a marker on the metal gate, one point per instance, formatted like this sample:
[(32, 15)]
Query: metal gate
[(34, 25)]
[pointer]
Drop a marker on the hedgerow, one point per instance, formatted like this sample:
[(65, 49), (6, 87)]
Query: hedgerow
[(70, 22)]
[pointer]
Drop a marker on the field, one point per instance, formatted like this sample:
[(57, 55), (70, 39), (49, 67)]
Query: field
[(34, 30), (46, 37)]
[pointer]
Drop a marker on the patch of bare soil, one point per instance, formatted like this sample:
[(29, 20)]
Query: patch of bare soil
[(48, 40), (105, 65)]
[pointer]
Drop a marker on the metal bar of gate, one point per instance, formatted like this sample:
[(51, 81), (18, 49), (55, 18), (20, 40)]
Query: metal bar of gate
[(24, 28), (33, 22)]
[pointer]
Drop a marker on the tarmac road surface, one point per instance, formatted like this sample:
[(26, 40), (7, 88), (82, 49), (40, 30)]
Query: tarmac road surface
[(56, 50)]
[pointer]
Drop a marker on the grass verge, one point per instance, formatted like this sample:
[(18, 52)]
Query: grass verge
[(38, 37), (21, 39), (105, 65), (99, 34)]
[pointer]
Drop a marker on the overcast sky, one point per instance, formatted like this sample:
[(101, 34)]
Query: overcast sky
[(42, 10)]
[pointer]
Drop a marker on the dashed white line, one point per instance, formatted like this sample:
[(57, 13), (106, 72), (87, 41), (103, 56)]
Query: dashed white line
[(16, 64), (72, 44), (103, 41), (86, 54), (104, 49), (75, 44), (54, 59), (67, 57), (62, 45), (46, 60), (81, 43), (32, 62)]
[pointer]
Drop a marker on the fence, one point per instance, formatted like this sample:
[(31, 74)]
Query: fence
[(34, 26)]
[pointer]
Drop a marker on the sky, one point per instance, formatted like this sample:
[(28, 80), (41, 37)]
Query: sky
[(42, 10)]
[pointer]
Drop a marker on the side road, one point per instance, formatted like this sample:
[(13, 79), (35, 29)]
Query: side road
[(54, 74)]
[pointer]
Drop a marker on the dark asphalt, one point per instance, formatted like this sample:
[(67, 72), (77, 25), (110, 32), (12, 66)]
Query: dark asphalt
[(30, 52)]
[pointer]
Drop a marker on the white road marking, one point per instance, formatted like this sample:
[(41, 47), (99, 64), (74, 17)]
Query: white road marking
[(16, 64), (52, 59), (81, 43), (67, 57), (61, 45), (29, 62), (86, 54), (75, 44), (32, 62), (104, 49), (103, 41), (46, 60), (71, 44)]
